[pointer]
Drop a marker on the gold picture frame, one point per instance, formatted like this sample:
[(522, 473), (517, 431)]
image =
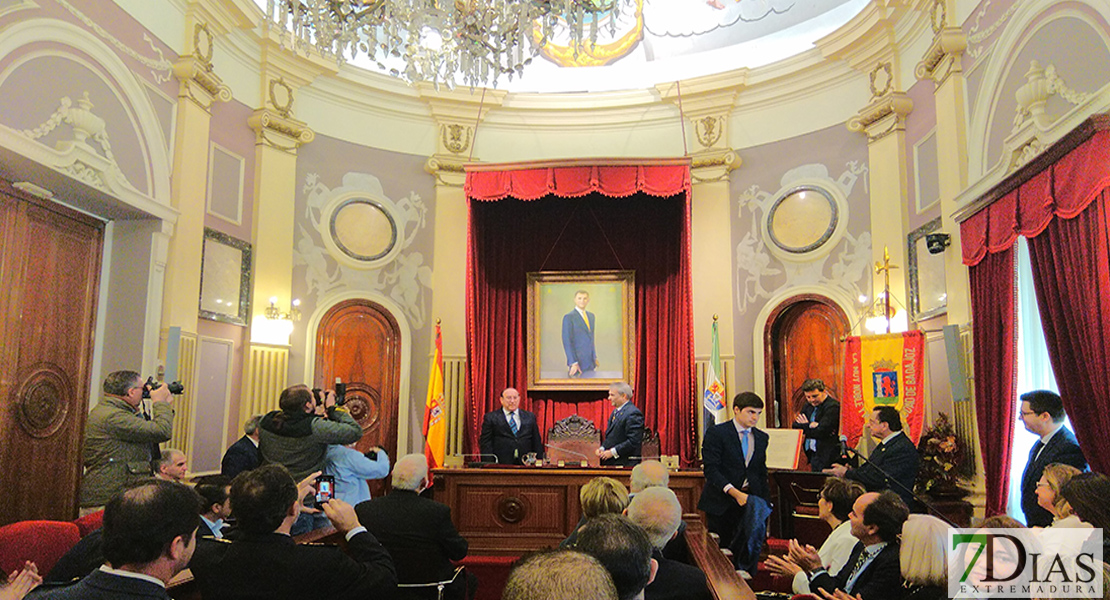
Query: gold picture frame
[(558, 333)]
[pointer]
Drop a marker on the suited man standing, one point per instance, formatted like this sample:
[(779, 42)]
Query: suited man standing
[(578, 337), (625, 432), (1043, 414), (894, 462), (734, 459), (820, 424), (511, 432), (418, 532), (243, 455)]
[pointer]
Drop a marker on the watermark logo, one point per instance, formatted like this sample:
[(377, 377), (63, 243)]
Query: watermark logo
[(1037, 563)]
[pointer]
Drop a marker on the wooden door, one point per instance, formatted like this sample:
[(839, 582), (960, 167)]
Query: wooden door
[(359, 341), (49, 274), (802, 340)]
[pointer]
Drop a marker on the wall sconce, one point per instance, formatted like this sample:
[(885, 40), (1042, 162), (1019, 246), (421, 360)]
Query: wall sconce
[(274, 313)]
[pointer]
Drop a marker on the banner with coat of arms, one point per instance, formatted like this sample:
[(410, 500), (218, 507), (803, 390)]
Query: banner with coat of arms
[(884, 370)]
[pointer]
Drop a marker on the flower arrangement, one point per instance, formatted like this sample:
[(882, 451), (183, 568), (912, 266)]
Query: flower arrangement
[(940, 456)]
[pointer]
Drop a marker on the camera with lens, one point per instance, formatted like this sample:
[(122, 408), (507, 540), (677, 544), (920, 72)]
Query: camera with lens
[(175, 387), (320, 395)]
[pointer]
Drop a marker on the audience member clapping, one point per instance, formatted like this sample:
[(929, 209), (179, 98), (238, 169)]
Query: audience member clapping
[(20, 582), (834, 504)]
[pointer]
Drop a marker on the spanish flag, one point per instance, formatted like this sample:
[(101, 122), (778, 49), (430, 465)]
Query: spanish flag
[(435, 428), (884, 370)]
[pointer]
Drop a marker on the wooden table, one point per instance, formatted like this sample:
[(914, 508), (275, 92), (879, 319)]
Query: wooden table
[(510, 511)]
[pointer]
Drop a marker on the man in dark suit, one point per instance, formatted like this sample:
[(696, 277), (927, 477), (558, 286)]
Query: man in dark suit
[(243, 455), (872, 571), (263, 561), (417, 532), (625, 433), (1043, 414), (657, 511), (734, 459), (820, 423), (894, 462), (149, 534), (510, 433), (578, 337)]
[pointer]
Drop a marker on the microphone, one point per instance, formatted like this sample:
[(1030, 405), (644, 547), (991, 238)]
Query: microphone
[(571, 452), (846, 450)]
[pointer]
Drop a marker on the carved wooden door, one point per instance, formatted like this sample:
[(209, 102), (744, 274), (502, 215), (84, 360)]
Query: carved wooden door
[(49, 274), (802, 340), (359, 342)]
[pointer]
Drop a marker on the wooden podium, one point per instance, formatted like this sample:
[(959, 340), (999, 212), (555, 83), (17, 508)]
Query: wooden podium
[(513, 510)]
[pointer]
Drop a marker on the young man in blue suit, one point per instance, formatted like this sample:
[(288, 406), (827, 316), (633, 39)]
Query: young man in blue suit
[(578, 337), (1043, 414), (625, 433), (734, 458)]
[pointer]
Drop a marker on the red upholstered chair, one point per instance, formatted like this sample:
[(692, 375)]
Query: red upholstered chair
[(491, 571), (42, 542), (90, 522)]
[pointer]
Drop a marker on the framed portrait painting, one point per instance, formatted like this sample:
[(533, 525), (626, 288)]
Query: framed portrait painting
[(581, 329)]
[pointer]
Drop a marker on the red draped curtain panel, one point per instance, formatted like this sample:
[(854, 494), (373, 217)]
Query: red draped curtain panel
[(1063, 211), (575, 219)]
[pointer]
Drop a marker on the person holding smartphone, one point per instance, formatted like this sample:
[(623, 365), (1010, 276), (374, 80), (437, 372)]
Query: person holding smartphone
[(297, 437)]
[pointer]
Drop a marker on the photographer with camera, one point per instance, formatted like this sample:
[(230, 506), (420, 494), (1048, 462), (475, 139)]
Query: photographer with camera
[(120, 441), (298, 436)]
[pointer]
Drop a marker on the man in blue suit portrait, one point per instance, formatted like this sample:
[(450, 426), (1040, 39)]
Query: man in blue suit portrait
[(578, 337)]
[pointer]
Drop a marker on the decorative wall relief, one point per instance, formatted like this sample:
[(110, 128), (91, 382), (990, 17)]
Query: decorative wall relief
[(840, 259), (358, 240)]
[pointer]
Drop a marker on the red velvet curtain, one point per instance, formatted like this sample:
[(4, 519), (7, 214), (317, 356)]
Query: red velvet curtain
[(1071, 273), (992, 299), (582, 218), (1063, 211)]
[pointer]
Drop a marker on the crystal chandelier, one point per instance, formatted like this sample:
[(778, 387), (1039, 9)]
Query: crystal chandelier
[(441, 41)]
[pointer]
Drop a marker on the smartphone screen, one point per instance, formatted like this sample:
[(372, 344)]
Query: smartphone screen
[(325, 488)]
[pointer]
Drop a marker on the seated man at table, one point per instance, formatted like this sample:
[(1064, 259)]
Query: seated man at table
[(417, 532), (263, 560)]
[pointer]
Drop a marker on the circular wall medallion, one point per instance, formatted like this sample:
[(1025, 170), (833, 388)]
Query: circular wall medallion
[(363, 229), (802, 219), (43, 400), (364, 404)]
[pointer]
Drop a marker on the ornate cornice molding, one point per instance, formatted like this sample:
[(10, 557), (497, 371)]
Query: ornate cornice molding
[(448, 170), (713, 165), (884, 115), (284, 133), (199, 82), (944, 56)]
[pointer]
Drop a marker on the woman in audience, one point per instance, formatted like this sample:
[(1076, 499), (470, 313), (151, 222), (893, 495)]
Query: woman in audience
[(598, 496), (1054, 478), (1001, 522), (1087, 493), (834, 503), (922, 558)]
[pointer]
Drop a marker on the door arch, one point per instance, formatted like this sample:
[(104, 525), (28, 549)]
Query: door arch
[(360, 342), (802, 340)]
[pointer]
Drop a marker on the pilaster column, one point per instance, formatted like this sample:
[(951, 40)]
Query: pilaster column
[(943, 64), (199, 89), (883, 121), (458, 115), (277, 137)]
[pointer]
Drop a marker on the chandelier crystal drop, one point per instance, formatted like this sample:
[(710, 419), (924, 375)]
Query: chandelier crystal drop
[(473, 42)]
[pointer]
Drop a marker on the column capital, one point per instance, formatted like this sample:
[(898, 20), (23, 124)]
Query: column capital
[(448, 170), (944, 56), (712, 165), (279, 131), (884, 115), (199, 81)]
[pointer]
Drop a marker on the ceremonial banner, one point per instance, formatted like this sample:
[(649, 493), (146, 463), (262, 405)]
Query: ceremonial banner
[(884, 370), (713, 399), (435, 427)]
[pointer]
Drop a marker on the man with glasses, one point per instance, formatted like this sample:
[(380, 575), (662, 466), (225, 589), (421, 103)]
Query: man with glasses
[(119, 439), (1042, 413)]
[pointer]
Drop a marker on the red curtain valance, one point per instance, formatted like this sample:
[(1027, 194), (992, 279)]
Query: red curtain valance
[(1062, 190), (574, 181)]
